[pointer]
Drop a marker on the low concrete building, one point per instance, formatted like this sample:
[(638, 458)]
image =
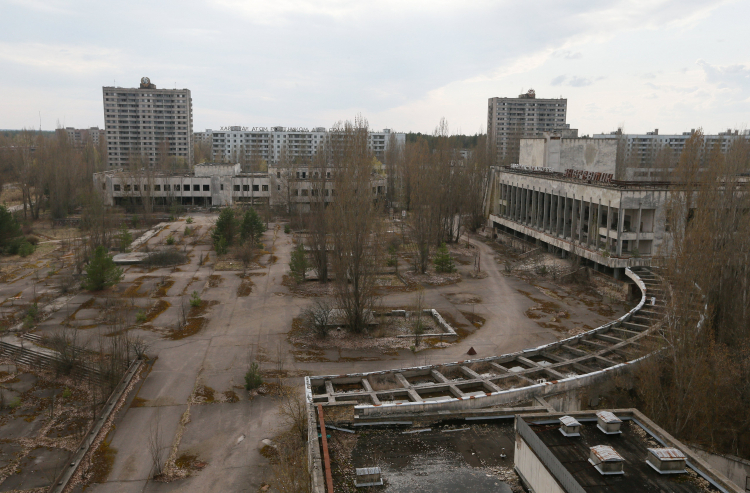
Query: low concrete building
[(209, 185), (222, 184), (548, 461)]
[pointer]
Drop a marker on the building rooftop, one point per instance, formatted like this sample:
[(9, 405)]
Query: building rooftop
[(632, 446)]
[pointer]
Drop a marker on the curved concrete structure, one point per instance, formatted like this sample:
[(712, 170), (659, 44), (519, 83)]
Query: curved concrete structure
[(550, 369)]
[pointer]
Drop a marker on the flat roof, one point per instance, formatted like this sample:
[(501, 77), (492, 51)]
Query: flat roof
[(632, 445)]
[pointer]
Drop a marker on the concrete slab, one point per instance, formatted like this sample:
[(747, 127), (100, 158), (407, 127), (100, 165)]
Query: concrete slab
[(37, 470)]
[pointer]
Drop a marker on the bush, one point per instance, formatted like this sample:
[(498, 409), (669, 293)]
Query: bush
[(33, 240), (25, 249), (66, 393), (189, 220), (253, 379), (443, 260), (9, 228), (170, 240), (166, 258), (195, 299), (101, 271), (140, 317), (287, 229), (187, 231)]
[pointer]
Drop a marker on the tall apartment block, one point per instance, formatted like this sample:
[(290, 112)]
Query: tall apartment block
[(509, 119), (81, 136), (232, 144), (143, 122)]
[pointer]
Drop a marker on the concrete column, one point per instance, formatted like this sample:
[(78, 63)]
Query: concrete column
[(620, 220), (638, 227), (519, 191), (581, 219), (609, 222), (546, 211), (527, 207), (591, 219), (534, 202), (598, 222), (573, 222), (558, 216), (565, 216)]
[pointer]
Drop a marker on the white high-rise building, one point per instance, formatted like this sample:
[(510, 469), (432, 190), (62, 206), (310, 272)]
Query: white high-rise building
[(509, 119), (270, 143), (146, 122)]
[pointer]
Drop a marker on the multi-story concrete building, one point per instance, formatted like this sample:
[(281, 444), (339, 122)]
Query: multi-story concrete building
[(639, 151), (509, 119), (276, 144), (80, 136), (147, 124), (563, 195)]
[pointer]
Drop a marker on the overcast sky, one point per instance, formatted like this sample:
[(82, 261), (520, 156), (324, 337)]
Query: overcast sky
[(672, 65)]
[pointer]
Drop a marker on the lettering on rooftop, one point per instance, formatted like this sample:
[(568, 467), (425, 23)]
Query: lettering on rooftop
[(579, 174)]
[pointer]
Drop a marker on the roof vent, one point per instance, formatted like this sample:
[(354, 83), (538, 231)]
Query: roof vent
[(606, 460), (570, 427), (608, 423), (368, 476), (666, 460)]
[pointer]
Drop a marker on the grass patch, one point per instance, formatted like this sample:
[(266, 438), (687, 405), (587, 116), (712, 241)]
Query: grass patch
[(101, 462)]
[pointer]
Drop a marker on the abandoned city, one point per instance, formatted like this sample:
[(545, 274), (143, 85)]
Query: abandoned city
[(373, 298)]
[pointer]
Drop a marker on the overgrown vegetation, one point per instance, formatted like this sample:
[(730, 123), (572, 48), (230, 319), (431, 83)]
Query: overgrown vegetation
[(253, 378)]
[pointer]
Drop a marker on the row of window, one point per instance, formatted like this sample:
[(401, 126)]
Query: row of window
[(185, 188)]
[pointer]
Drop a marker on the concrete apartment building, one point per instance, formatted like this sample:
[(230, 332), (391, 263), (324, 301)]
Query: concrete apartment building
[(269, 144), (563, 195), (524, 116), (80, 136), (146, 121), (639, 151)]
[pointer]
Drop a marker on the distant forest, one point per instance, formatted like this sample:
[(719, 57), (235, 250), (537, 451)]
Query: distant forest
[(456, 141), (12, 133)]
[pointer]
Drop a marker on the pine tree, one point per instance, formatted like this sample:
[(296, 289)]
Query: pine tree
[(101, 272), (443, 260), (226, 227), (298, 263)]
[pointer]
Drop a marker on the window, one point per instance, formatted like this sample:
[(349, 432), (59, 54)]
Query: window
[(185, 188), (373, 190), (222, 186), (245, 188), (127, 188), (255, 188), (265, 188), (206, 188), (236, 188), (104, 186), (296, 192), (278, 187), (117, 188), (328, 174), (304, 174), (145, 188), (327, 192), (297, 174), (315, 192), (304, 192), (278, 174), (167, 188)]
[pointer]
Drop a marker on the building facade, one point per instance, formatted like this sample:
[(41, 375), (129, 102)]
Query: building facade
[(640, 151), (81, 136), (508, 119), (147, 124), (564, 196), (278, 144), (224, 184)]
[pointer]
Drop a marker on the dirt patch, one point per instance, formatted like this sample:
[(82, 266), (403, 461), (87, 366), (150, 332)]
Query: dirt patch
[(204, 395), (163, 288), (476, 320), (245, 288), (231, 396), (214, 280)]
